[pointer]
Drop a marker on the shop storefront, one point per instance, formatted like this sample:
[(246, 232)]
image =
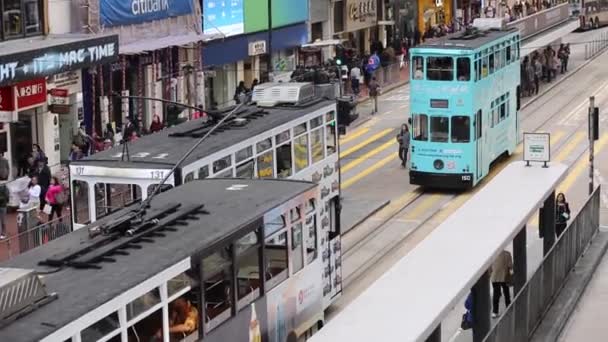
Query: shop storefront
[(242, 54), (159, 58), (356, 21), (40, 93)]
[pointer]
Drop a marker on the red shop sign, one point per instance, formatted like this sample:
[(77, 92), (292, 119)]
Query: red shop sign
[(7, 100), (29, 93)]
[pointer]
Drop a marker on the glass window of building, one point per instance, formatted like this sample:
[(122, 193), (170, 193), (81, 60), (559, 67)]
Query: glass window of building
[(33, 24), (440, 128)]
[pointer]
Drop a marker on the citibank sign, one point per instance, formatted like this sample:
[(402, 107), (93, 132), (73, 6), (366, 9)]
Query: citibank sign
[(130, 12)]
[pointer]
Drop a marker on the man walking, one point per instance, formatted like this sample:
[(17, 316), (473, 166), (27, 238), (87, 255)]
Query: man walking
[(355, 77), (373, 94), (403, 138)]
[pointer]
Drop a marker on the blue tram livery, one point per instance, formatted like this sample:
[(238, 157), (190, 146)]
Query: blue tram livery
[(464, 105)]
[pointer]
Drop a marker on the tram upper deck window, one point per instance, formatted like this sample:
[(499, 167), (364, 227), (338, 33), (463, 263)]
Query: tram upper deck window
[(100, 328), (217, 281), (265, 165), (244, 154), (461, 129), (245, 170), (297, 247), (221, 164), (203, 172), (301, 152), (276, 258), (463, 69), (317, 144), (248, 268), (491, 62), (418, 67), (284, 160), (420, 123), (330, 138), (440, 129), (439, 68)]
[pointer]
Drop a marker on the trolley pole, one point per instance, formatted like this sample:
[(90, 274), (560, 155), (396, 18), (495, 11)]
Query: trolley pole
[(592, 135)]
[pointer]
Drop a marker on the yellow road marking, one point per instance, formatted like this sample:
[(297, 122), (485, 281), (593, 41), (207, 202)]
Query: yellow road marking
[(365, 142), (570, 146), (354, 135), (422, 207), (366, 156), (398, 204), (368, 171)]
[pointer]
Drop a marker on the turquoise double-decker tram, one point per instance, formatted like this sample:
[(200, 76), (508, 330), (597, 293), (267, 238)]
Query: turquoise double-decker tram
[(464, 106)]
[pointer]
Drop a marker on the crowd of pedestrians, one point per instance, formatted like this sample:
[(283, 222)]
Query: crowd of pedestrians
[(543, 65)]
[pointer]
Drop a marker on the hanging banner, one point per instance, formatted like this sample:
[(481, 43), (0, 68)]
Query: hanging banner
[(129, 12)]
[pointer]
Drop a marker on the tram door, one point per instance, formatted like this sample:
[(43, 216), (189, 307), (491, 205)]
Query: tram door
[(479, 144)]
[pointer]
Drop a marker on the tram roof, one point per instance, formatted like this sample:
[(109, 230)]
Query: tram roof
[(460, 43), (162, 142), (82, 290), (412, 298)]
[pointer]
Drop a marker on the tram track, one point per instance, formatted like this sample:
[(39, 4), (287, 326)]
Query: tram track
[(374, 233)]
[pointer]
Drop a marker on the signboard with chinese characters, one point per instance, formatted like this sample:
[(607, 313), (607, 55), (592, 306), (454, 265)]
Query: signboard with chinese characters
[(29, 94), (56, 59), (69, 80), (537, 147), (257, 48), (360, 14), (128, 12)]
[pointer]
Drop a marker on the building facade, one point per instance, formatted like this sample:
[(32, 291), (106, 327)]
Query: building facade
[(40, 77), (159, 58), (258, 39)]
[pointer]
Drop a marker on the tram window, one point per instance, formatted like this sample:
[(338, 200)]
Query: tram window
[(112, 197), (143, 303), (80, 196), (221, 164), (274, 225), (418, 68), (100, 328), (463, 69), (297, 250), (503, 111), (498, 60), (284, 161), (421, 124), (224, 174), (316, 140), (491, 62), (484, 67), (301, 152), (248, 268), (263, 145), (440, 128), (152, 188), (311, 242), (217, 280), (299, 129), (275, 256), (477, 70), (189, 177), (265, 165), (330, 138), (461, 129), (330, 116), (244, 154), (508, 54), (245, 170), (439, 68), (295, 214), (479, 125), (147, 328), (316, 122), (203, 172), (282, 137)]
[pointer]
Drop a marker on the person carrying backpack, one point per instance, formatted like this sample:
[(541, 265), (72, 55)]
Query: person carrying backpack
[(4, 199)]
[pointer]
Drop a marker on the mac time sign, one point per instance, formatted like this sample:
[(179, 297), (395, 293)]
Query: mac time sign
[(54, 59)]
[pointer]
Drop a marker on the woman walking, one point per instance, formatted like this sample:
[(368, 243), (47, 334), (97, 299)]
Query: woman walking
[(403, 138), (54, 198), (562, 214), (501, 274)]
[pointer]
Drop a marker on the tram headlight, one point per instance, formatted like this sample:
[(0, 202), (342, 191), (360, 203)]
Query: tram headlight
[(438, 164)]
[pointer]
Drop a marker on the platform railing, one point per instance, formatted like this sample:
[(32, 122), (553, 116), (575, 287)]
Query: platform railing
[(530, 305), (596, 45)]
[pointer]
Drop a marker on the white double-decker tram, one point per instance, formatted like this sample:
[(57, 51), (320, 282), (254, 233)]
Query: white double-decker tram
[(217, 260), (291, 136)]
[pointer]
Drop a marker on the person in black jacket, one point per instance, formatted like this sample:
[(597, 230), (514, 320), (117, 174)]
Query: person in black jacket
[(562, 214), (44, 180)]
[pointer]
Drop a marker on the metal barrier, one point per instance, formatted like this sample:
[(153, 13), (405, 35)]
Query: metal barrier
[(529, 306), (597, 45), (541, 21), (34, 237)]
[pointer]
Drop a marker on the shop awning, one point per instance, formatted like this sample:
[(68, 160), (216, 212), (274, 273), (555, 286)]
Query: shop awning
[(35, 57), (323, 43), (146, 45)]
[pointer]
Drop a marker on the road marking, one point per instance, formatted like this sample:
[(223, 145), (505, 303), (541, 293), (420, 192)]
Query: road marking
[(421, 208), (565, 152), (365, 142), (367, 155), (354, 135), (577, 109), (349, 182)]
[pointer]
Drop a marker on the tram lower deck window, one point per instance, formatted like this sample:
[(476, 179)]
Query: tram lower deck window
[(420, 124), (439, 68), (461, 129), (440, 129)]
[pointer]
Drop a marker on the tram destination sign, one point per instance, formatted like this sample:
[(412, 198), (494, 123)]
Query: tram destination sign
[(435, 103), (537, 148)]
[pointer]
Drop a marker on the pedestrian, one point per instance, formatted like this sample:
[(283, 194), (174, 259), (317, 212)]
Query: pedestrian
[(76, 153), (538, 73), (467, 317), (355, 79), (128, 129), (55, 199), (530, 78), (550, 60), (566, 56), (5, 196), (5, 169), (501, 274), (562, 214), (373, 93), (403, 138), (33, 193), (156, 124), (38, 154), (240, 92), (254, 84), (43, 173)]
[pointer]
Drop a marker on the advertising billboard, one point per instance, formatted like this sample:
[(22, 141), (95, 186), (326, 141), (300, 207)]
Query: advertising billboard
[(284, 13), (128, 12), (223, 17)]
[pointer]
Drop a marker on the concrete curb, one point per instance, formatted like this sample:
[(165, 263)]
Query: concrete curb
[(555, 319), (558, 82), (370, 214)]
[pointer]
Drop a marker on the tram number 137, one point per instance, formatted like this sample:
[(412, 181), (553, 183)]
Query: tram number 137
[(157, 174), (466, 178)]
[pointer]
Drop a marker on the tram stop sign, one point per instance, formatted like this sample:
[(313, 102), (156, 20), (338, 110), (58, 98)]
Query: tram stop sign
[(537, 148)]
